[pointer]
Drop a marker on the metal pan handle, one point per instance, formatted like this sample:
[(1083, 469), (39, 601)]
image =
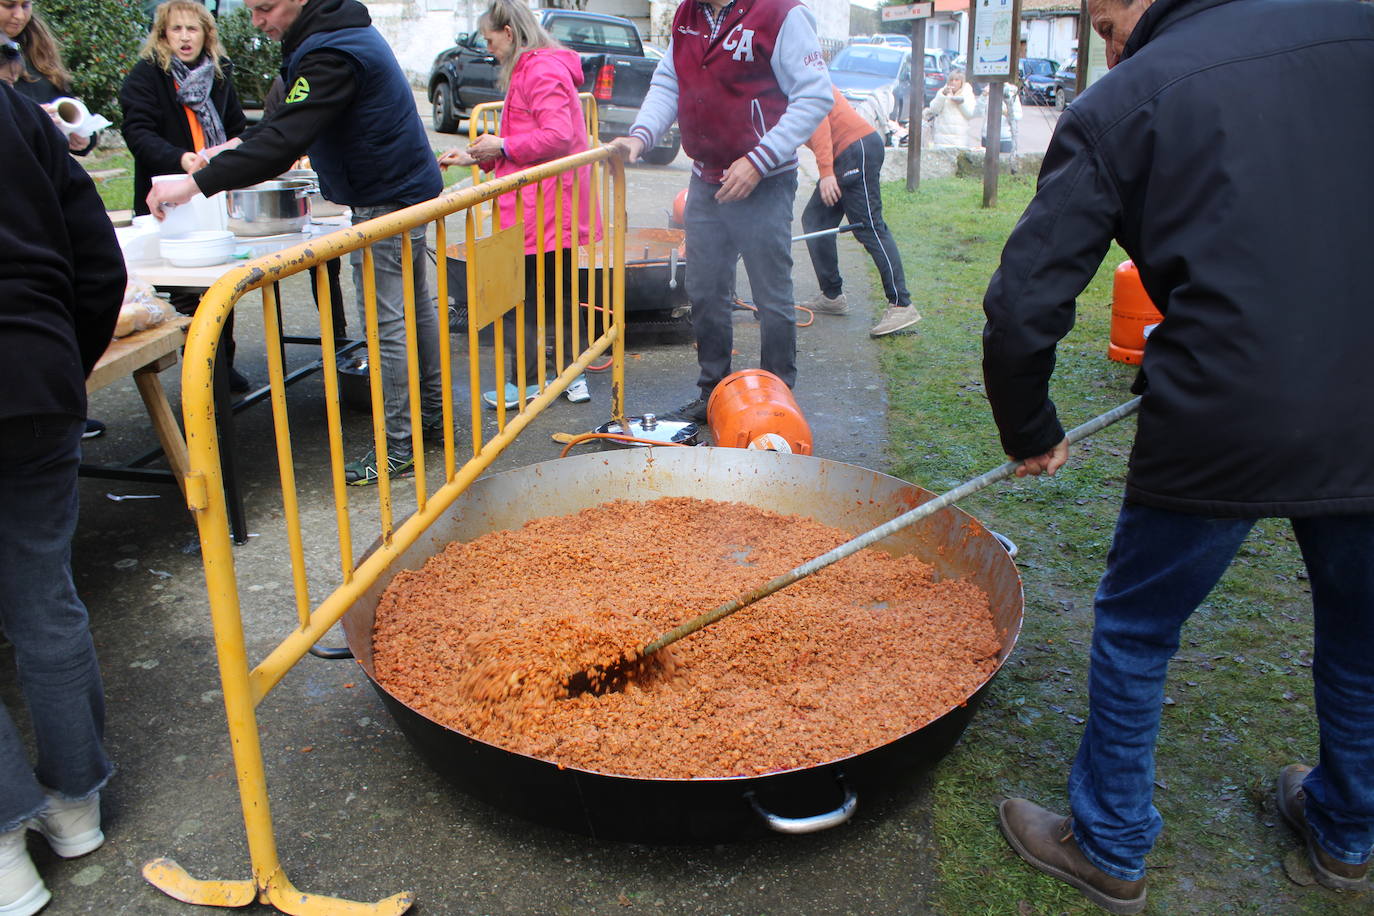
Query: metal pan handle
[(813, 824)]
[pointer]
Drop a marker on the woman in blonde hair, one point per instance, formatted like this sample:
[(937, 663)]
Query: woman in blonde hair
[(40, 74), (178, 100), (542, 120)]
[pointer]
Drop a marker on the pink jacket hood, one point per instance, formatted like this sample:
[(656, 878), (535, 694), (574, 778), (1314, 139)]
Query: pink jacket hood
[(542, 120)]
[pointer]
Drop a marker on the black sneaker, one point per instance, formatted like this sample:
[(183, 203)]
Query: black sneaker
[(694, 412), (93, 429), (363, 472), (238, 382)]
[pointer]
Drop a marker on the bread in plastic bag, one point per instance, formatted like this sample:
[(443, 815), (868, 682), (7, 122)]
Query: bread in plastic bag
[(142, 309)]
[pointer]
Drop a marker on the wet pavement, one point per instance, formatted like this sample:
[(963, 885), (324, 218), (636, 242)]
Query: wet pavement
[(357, 813)]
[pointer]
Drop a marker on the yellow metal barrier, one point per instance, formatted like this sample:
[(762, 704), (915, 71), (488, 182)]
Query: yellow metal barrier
[(489, 270)]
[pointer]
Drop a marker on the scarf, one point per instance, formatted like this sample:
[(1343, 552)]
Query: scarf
[(193, 91)]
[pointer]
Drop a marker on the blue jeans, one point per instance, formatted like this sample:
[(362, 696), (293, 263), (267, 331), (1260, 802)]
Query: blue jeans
[(1161, 566), (46, 621), (391, 327), (759, 230)]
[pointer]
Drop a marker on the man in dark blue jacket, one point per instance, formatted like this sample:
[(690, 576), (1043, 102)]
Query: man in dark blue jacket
[(1249, 213), (61, 283), (350, 107)]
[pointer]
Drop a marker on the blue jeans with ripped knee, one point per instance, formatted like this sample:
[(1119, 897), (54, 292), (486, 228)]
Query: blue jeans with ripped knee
[(46, 621)]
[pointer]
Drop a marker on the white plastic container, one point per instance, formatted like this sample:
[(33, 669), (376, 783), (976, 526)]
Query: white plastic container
[(199, 214)]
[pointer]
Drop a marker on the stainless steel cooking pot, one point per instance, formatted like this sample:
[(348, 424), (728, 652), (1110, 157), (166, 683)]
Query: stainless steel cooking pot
[(610, 806), (270, 207), (319, 206)]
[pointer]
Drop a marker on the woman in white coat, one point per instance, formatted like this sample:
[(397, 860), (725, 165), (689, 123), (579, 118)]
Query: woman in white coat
[(951, 110)]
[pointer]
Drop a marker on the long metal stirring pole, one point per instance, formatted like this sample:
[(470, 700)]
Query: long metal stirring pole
[(905, 520)]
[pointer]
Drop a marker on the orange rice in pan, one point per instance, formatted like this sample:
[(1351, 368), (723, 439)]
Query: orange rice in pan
[(855, 656)]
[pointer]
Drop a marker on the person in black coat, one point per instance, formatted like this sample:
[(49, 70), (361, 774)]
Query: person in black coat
[(61, 285), (177, 100), (1249, 216)]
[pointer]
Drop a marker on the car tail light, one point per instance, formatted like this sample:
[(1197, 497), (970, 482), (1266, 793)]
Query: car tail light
[(605, 83)]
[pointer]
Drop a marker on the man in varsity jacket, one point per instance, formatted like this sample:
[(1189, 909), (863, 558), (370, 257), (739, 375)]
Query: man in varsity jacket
[(746, 81)]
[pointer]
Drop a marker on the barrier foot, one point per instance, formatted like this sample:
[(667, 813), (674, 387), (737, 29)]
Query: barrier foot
[(174, 881), (286, 898)]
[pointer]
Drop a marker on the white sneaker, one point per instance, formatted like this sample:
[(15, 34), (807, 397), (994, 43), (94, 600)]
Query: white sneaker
[(577, 392), (895, 319), (22, 891), (72, 828), (827, 306)]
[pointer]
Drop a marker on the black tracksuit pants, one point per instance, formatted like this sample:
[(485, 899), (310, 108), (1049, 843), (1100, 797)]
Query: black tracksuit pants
[(858, 168)]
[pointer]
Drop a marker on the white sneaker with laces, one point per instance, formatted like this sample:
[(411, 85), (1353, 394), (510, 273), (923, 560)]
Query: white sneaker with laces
[(72, 828), (895, 319), (22, 891), (577, 392), (827, 306)]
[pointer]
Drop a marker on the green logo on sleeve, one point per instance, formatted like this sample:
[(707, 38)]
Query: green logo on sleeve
[(299, 91)]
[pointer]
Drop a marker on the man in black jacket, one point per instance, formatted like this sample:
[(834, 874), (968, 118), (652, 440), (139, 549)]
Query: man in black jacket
[(350, 107), (1246, 201), (61, 284)]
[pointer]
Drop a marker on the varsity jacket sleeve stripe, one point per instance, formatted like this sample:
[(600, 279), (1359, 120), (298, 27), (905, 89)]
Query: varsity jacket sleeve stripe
[(658, 111), (799, 68)]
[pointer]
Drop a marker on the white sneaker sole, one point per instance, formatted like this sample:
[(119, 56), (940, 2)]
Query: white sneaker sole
[(33, 900)]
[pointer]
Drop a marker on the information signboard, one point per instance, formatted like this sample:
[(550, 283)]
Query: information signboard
[(993, 37)]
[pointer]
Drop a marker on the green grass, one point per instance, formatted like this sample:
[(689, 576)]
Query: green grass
[(1239, 691), (117, 192)]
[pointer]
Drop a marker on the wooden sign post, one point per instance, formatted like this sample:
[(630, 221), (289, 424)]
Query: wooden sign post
[(918, 13), (994, 42)]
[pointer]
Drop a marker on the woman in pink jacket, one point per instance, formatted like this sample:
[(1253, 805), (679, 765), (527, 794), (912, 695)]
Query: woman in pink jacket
[(542, 120)]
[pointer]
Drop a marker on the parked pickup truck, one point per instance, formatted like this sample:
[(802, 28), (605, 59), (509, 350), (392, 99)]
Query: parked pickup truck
[(614, 67)]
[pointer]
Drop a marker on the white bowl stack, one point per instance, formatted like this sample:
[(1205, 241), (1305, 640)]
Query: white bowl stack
[(202, 248)]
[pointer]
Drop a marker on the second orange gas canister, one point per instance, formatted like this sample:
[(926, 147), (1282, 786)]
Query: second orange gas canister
[(1132, 313)]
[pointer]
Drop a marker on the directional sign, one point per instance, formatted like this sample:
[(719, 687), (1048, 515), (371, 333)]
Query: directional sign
[(911, 11)]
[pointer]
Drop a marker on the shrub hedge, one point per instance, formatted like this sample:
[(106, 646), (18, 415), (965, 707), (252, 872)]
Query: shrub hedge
[(257, 59), (100, 42)]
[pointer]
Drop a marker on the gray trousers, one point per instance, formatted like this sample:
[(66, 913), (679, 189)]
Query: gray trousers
[(391, 328), (759, 230)]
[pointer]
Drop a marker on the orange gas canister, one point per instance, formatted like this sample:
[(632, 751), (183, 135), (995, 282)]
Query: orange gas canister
[(678, 219), (1132, 313), (754, 409)]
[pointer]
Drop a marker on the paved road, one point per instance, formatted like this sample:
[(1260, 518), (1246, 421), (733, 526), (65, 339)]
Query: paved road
[(358, 814)]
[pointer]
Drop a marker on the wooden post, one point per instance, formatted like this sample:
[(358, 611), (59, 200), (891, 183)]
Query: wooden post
[(916, 104), (994, 45), (992, 146), (1085, 37), (918, 13)]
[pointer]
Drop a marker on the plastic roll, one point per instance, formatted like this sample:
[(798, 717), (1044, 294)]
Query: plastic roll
[(74, 118)]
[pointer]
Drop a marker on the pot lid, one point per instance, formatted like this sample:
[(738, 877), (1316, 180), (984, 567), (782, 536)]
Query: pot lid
[(652, 427)]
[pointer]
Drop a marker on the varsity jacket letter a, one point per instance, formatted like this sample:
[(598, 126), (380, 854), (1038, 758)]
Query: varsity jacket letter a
[(743, 46)]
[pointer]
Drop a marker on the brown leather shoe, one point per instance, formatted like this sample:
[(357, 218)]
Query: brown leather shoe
[(1292, 801), (1045, 840)]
